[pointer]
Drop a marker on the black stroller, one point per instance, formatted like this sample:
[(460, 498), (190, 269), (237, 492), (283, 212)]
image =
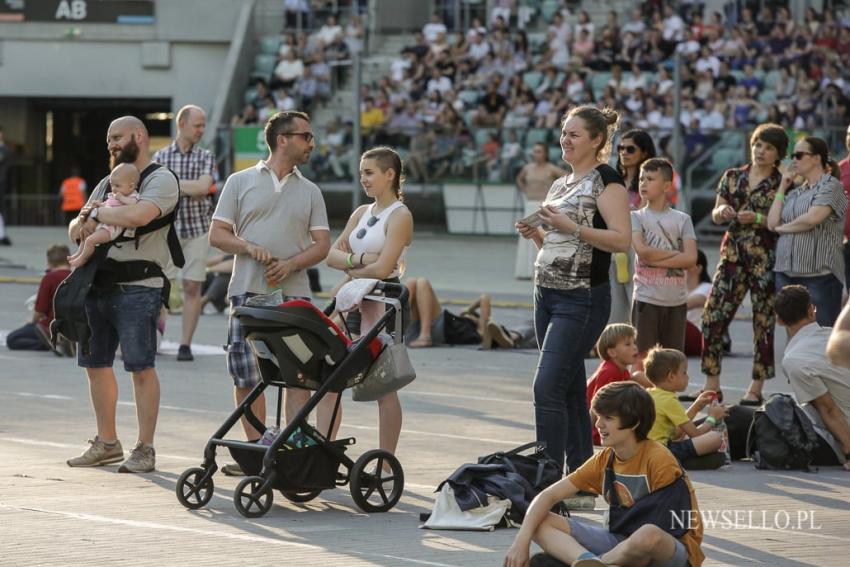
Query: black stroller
[(299, 346)]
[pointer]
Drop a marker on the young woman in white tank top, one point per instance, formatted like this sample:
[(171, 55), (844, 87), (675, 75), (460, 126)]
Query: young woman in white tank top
[(372, 245)]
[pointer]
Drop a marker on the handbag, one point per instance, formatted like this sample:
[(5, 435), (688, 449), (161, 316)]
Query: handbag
[(391, 372), (447, 515), (669, 508), (538, 468)]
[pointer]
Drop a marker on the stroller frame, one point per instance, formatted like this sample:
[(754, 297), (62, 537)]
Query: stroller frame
[(276, 465)]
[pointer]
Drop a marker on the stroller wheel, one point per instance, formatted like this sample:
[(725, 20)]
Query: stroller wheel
[(193, 490), (250, 499), (373, 488), (299, 497)]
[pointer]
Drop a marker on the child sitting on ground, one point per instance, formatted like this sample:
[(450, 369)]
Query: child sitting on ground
[(665, 244), (667, 369), (645, 483), (123, 181), (618, 350)]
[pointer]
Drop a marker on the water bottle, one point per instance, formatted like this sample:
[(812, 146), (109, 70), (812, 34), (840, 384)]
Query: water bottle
[(269, 435), (720, 427)]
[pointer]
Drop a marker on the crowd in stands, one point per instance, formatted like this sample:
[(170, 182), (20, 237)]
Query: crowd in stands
[(475, 101)]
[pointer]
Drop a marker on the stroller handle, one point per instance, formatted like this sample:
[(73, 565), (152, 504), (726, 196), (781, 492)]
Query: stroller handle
[(395, 290)]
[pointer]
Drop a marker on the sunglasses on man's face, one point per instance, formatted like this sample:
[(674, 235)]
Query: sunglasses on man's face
[(627, 149), (307, 136), (799, 155), (369, 223)]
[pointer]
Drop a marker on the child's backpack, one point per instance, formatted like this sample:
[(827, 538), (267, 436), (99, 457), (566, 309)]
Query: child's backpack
[(782, 436), (460, 330)]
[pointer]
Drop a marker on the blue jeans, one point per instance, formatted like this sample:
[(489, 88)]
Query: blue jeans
[(126, 315), (567, 323), (825, 292)]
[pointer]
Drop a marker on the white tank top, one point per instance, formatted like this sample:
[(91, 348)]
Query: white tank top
[(375, 236)]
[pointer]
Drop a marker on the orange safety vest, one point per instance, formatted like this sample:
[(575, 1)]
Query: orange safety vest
[(72, 194)]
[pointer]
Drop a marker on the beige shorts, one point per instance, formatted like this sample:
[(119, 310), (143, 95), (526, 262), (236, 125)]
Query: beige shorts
[(196, 251)]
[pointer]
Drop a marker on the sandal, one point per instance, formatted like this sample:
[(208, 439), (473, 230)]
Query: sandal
[(500, 335), (752, 403)]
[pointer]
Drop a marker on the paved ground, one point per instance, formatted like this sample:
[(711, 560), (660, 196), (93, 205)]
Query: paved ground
[(464, 403)]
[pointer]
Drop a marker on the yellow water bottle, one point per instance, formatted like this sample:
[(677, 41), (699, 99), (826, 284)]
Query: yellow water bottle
[(621, 261)]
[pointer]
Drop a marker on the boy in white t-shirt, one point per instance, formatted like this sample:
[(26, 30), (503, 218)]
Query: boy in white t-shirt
[(665, 245)]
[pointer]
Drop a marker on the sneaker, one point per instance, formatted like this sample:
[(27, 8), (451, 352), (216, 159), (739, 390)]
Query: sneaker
[(142, 459), (184, 353), (582, 502), (98, 454), (233, 469)]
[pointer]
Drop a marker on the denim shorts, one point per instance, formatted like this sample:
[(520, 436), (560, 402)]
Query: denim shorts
[(683, 450), (599, 541), (126, 316)]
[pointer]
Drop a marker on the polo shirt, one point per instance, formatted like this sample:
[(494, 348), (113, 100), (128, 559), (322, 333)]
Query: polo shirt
[(277, 214), (809, 371)]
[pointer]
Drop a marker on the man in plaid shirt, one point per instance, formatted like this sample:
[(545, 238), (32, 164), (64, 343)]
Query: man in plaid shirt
[(195, 168)]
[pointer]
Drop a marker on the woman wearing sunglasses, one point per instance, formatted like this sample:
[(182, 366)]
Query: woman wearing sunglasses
[(585, 218), (635, 147), (808, 214), (744, 197), (372, 245)]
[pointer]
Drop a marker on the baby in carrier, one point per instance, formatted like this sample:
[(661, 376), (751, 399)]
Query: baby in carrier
[(123, 181)]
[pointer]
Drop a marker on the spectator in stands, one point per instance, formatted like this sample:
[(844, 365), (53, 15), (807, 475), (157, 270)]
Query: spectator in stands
[(35, 335), (268, 108), (819, 385), (434, 28), (491, 107), (808, 218), (338, 140), (747, 253), (355, 34), (673, 27), (248, 117), (372, 119), (329, 31), (297, 14), (287, 72), (478, 47)]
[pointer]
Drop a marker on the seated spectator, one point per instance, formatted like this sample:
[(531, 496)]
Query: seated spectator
[(330, 31), (822, 388), (268, 109), (321, 71), (434, 28), (583, 24), (750, 82), (635, 25), (372, 118), (560, 28), (355, 34), (248, 117), (491, 107), (641, 470), (287, 71), (510, 156), (297, 13), (35, 335), (438, 82), (261, 90), (422, 145), (667, 369), (478, 47), (307, 89), (583, 46)]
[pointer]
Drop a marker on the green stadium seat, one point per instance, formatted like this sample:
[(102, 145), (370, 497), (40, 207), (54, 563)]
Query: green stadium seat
[(771, 79), (264, 65), (536, 41), (269, 45), (469, 97), (520, 135), (599, 80), (535, 135), (482, 134), (767, 96), (737, 74), (725, 158), (555, 154), (250, 94), (532, 79), (548, 9)]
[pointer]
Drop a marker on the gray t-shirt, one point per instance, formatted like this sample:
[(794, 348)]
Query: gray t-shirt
[(277, 214), (666, 230), (161, 189)]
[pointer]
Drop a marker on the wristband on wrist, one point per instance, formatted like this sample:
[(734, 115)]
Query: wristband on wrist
[(759, 218), (348, 261), (361, 259), (779, 196), (711, 421)]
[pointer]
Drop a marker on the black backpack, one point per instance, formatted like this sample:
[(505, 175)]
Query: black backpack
[(460, 330), (782, 436), (102, 273)]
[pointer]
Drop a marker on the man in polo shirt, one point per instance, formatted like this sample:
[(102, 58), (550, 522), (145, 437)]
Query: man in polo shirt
[(195, 168), (818, 384), (274, 221)]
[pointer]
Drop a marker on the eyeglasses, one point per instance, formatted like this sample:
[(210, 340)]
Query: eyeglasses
[(628, 149), (369, 223), (799, 155), (308, 136)]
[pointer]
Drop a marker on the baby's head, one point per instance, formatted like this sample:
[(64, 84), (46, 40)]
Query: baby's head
[(617, 344), (124, 178)]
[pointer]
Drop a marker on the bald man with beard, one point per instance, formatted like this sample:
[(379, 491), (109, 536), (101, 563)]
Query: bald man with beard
[(127, 314)]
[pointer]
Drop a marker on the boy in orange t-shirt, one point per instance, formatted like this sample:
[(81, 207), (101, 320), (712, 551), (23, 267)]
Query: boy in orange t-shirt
[(624, 415)]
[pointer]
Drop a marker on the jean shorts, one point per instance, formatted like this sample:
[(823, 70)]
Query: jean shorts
[(127, 316), (599, 541)]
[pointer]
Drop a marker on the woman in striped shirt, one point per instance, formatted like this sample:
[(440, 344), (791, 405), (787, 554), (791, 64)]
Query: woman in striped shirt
[(809, 218)]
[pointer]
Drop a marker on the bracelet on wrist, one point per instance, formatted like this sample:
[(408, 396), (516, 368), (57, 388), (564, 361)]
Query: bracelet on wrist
[(759, 218), (711, 421), (361, 259), (779, 196), (348, 261)]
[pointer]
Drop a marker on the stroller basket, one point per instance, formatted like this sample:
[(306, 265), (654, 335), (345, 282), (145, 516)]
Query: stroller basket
[(299, 346), (297, 470)]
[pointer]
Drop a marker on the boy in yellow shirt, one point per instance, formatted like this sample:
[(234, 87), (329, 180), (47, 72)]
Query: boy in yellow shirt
[(667, 368)]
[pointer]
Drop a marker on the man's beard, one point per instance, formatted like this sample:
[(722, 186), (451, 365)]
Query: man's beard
[(128, 154)]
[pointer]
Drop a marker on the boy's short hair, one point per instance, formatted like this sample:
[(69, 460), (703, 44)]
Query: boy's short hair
[(628, 401), (792, 304), (660, 362), (659, 164), (611, 336), (57, 255)]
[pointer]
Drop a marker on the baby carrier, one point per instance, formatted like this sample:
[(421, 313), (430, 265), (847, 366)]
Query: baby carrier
[(102, 274)]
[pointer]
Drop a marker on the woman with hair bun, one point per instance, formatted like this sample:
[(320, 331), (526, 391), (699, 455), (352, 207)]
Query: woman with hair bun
[(747, 253), (372, 245), (809, 217), (584, 218)]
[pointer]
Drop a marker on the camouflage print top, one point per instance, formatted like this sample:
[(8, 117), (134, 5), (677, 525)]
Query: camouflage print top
[(753, 244)]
